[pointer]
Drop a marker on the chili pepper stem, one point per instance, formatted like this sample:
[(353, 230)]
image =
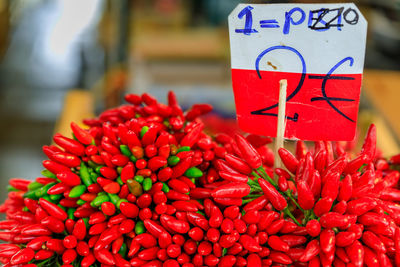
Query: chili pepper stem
[(288, 193), (265, 176), (288, 213)]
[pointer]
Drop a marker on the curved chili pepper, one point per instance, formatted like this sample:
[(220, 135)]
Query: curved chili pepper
[(369, 146), (290, 161), (276, 199), (312, 250), (256, 204)]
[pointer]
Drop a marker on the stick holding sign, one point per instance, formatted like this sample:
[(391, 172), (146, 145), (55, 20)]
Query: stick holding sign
[(280, 132)]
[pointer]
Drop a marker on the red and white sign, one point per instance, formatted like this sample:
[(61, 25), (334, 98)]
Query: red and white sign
[(318, 48)]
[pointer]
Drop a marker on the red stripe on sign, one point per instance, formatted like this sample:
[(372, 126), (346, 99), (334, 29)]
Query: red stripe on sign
[(319, 107)]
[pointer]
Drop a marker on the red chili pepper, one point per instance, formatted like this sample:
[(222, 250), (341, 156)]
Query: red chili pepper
[(19, 184), (53, 209), (336, 166), (193, 136), (179, 186), (331, 185), (356, 253), (305, 197), (280, 258), (344, 239), (69, 145), (181, 167), (277, 244), (69, 178), (373, 241), (256, 204), (369, 146), (288, 160), (276, 199), (248, 152), (231, 190), (53, 224), (293, 240), (237, 164), (312, 250), (320, 160), (361, 206), (55, 167), (79, 229), (104, 256), (23, 256), (83, 136), (333, 219)]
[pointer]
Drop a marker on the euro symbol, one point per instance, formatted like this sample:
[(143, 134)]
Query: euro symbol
[(325, 79)]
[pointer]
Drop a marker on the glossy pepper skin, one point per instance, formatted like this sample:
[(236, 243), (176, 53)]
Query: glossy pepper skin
[(248, 152), (277, 200)]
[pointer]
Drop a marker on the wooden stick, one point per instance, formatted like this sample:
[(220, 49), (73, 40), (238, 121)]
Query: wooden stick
[(280, 132)]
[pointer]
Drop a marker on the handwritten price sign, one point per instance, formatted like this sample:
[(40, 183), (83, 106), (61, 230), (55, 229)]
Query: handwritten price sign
[(318, 48)]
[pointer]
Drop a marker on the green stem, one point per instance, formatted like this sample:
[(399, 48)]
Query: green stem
[(288, 213), (288, 193), (266, 177)]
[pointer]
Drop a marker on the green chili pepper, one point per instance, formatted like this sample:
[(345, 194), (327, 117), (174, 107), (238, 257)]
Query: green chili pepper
[(139, 228), (139, 178), (80, 202), (43, 190), (122, 251), (133, 158), (85, 175), (11, 188), (183, 148), (143, 130), (70, 213), (119, 169), (47, 197), (119, 180), (193, 172), (86, 221), (120, 201), (34, 185), (94, 176), (165, 188), (114, 198), (31, 194), (173, 160), (55, 197), (48, 174), (125, 150), (147, 184), (224, 251), (97, 169), (77, 191), (99, 200), (92, 164)]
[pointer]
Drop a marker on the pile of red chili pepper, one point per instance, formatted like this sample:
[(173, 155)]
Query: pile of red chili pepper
[(144, 185)]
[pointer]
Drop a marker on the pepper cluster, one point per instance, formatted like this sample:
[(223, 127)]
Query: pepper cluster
[(145, 185)]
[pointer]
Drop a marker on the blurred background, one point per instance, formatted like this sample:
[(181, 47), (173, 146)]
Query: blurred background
[(63, 60)]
